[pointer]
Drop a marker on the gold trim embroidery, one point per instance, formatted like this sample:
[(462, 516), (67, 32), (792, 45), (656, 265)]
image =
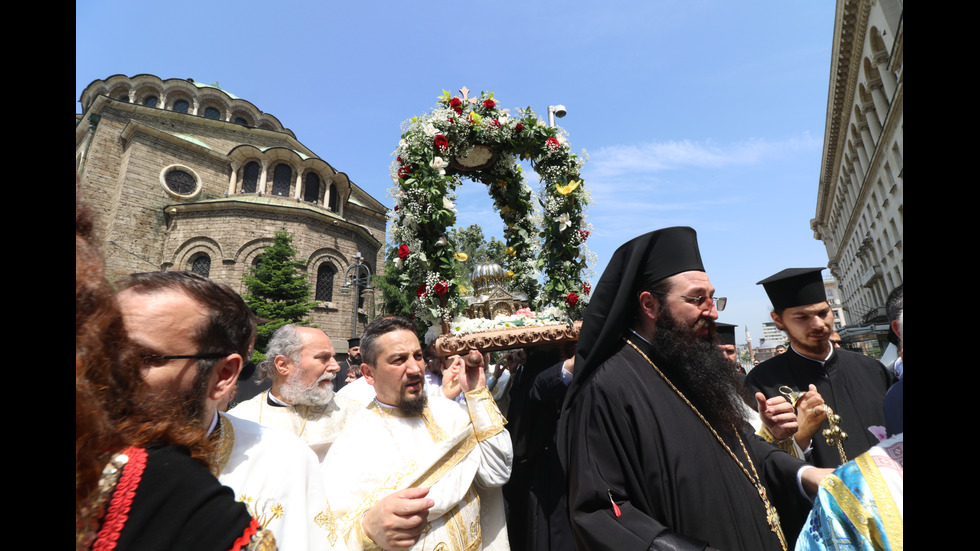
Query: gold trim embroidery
[(325, 519), (269, 513), (455, 455), (222, 451), (887, 508), (482, 396), (849, 504)]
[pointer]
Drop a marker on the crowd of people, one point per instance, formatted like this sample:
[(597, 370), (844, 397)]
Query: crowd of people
[(644, 435)]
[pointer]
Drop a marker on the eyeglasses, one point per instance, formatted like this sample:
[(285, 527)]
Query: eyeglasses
[(719, 302), (150, 359)]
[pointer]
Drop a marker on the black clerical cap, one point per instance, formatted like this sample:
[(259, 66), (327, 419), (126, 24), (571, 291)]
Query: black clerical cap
[(726, 333), (351, 343), (633, 268), (795, 287)]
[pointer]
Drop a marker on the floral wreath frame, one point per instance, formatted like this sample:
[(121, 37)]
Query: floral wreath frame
[(472, 137)]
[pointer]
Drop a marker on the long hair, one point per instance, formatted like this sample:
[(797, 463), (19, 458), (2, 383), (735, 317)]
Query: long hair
[(113, 409)]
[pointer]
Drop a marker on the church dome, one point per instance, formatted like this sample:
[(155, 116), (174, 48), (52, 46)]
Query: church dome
[(487, 275)]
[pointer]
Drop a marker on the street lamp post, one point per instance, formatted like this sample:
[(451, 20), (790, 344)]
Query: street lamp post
[(555, 111), (356, 272)]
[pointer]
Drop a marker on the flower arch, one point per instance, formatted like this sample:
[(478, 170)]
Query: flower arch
[(473, 137)]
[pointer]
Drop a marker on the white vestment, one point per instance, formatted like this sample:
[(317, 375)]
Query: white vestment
[(278, 479), (463, 455), (318, 426), (359, 391)]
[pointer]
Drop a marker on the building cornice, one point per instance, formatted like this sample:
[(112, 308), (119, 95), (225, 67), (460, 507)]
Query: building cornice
[(271, 205), (850, 25)]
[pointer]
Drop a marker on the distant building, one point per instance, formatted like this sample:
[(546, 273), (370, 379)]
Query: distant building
[(185, 176), (772, 335), (859, 214), (833, 298)]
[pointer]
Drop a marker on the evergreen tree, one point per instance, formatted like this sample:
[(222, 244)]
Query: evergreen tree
[(278, 289)]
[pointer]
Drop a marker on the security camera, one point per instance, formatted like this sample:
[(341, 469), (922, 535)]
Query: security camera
[(560, 111)]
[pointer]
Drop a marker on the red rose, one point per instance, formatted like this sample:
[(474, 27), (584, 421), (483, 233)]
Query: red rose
[(404, 171), (441, 288), (457, 105), (452, 120), (399, 159), (420, 292), (584, 234), (396, 208), (495, 123), (571, 298), (489, 104), (403, 251), (519, 127), (552, 143), (441, 142), (586, 288)]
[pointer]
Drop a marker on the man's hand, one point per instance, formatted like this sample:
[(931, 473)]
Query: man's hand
[(450, 378), (473, 377), (397, 521), (811, 413), (811, 479), (777, 416)]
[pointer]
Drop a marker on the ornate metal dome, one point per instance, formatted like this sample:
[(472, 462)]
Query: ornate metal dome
[(487, 275)]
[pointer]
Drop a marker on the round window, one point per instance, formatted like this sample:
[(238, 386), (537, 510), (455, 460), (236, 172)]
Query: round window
[(180, 181)]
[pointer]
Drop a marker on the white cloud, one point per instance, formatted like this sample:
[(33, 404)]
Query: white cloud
[(648, 158)]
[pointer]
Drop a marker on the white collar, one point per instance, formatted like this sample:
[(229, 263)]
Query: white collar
[(821, 362), (214, 423), (277, 400)]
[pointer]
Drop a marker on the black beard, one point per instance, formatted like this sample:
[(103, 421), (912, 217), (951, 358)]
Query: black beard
[(195, 397), (699, 370), (413, 406)]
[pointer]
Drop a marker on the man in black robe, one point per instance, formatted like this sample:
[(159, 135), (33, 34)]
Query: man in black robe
[(852, 384), (652, 435)]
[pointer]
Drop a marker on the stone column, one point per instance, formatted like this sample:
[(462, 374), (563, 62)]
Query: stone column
[(263, 178)]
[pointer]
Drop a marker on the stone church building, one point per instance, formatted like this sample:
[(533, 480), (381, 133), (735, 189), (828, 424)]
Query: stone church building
[(186, 176)]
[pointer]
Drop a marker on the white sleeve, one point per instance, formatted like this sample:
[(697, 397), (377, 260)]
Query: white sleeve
[(494, 445)]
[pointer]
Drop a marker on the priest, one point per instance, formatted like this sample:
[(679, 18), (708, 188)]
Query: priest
[(852, 384), (428, 470), (195, 334), (302, 364), (652, 436)]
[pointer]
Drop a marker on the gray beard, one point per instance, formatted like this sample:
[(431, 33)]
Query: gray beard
[(294, 392)]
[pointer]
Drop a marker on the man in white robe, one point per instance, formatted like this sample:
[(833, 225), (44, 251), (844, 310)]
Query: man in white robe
[(302, 364), (194, 334), (429, 471)]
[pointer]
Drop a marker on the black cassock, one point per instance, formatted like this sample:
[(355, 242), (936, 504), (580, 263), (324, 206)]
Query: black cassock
[(852, 384), (630, 435)]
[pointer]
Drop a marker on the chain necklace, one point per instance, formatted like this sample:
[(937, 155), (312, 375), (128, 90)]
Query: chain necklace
[(772, 517)]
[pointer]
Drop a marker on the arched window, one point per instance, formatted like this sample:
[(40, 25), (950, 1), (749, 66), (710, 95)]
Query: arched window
[(151, 101), (324, 282), (250, 177), (282, 176), (201, 265), (241, 121), (212, 113), (333, 198), (312, 192), (181, 106)]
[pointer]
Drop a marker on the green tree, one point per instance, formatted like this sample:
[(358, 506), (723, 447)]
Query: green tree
[(473, 243), (278, 289)]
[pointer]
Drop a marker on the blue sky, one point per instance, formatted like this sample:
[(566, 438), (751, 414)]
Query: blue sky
[(702, 113)]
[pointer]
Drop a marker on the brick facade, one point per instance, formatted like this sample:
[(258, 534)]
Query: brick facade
[(124, 150)]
